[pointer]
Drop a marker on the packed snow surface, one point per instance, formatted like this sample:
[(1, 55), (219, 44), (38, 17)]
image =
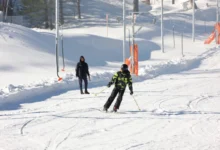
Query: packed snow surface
[(177, 91)]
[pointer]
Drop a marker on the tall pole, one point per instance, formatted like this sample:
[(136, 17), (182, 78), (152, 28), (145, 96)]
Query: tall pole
[(193, 21), (217, 13), (162, 35), (57, 38), (182, 44), (133, 42), (63, 50), (124, 28), (174, 37), (129, 38), (6, 14), (107, 23)]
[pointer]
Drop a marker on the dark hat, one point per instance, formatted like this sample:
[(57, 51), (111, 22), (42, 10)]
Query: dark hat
[(81, 57), (124, 67)]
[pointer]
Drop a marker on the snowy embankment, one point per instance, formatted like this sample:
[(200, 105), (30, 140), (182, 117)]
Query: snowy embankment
[(48, 88), (32, 58)]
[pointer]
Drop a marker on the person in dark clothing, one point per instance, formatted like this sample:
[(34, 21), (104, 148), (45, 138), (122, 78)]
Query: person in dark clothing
[(82, 71), (121, 79)]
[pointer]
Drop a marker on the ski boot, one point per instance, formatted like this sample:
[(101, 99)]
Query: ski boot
[(114, 109), (105, 109), (86, 92)]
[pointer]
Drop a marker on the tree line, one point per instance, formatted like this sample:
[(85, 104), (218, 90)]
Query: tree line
[(42, 12), (38, 13)]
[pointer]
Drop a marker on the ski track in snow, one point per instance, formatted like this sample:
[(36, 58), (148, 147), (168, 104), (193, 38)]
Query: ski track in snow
[(64, 138), (178, 110), (64, 135), (69, 82), (25, 124)]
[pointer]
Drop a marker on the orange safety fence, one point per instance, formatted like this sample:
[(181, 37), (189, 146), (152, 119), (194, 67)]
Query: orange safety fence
[(210, 38), (128, 61), (136, 59), (213, 35)]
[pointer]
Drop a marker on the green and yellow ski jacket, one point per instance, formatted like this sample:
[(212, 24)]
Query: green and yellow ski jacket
[(121, 79)]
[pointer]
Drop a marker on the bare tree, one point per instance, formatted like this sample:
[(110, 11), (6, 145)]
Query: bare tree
[(79, 9), (191, 2), (46, 14), (135, 5), (74, 8), (61, 13), (51, 13)]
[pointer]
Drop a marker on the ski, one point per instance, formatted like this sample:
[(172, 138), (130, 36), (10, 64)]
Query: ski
[(101, 110)]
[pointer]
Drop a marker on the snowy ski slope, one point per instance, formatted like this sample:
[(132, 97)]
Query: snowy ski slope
[(178, 96), (179, 111)]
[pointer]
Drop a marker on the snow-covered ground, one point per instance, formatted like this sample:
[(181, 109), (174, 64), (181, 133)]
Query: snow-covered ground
[(178, 96), (179, 111)]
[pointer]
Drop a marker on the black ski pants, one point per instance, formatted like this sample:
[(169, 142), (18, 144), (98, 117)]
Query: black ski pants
[(85, 82), (115, 92)]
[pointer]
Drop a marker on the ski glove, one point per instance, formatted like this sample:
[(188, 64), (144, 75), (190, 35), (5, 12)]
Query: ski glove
[(131, 90), (109, 84)]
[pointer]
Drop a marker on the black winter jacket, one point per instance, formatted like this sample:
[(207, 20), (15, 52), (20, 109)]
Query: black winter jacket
[(82, 69)]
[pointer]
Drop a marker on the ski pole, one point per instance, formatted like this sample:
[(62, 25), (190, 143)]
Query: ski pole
[(100, 91), (136, 103)]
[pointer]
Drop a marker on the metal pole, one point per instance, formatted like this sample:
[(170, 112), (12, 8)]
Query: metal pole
[(129, 37), (182, 44), (57, 38), (133, 42), (6, 14), (124, 28), (205, 24), (107, 23), (57, 33), (174, 44), (216, 37), (162, 35), (63, 51), (136, 103), (193, 21)]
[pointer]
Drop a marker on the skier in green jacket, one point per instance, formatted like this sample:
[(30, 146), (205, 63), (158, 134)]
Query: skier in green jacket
[(121, 79)]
